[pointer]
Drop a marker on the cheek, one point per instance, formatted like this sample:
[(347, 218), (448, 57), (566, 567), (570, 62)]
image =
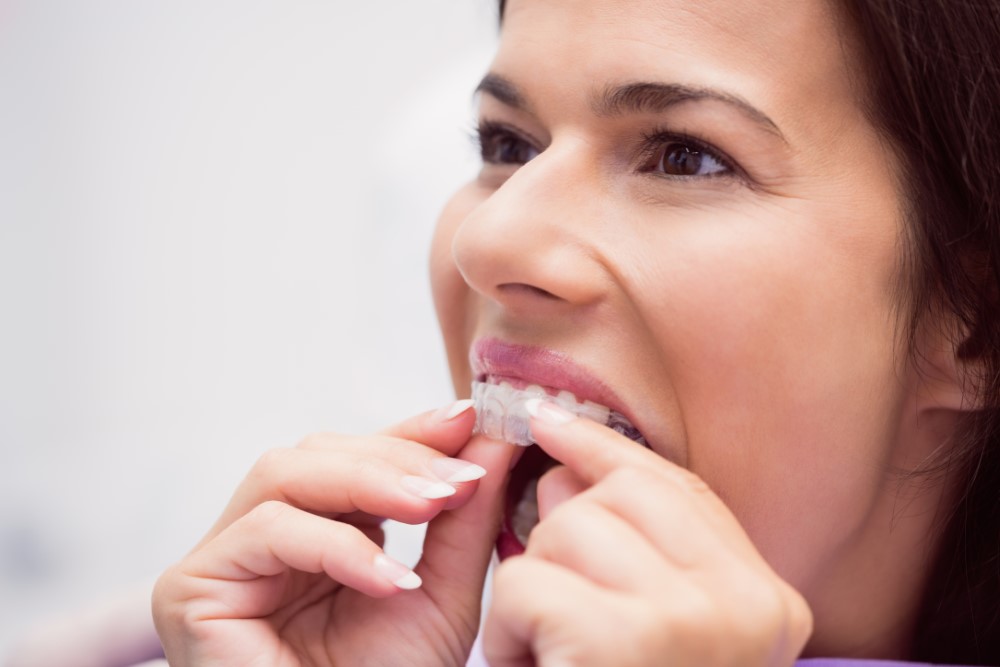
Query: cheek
[(453, 300), (778, 340)]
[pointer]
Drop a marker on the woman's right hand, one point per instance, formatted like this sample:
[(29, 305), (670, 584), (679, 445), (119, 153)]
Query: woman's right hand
[(293, 572)]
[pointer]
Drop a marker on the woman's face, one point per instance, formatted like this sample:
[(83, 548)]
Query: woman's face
[(687, 201)]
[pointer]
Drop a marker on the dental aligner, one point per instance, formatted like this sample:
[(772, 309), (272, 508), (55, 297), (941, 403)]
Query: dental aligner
[(501, 412)]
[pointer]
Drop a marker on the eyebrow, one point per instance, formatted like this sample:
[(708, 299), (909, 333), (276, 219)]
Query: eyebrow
[(636, 98), (503, 90)]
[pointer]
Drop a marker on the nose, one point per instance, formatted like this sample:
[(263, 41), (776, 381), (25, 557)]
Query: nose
[(531, 245)]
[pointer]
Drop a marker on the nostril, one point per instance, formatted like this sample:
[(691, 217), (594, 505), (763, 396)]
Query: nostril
[(515, 289)]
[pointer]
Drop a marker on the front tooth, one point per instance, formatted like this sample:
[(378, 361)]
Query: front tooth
[(566, 400), (536, 391), (596, 411), (501, 411)]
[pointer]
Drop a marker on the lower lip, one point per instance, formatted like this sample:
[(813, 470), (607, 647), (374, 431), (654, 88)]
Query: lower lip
[(507, 543)]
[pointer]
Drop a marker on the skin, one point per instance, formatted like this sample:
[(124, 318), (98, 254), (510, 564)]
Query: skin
[(747, 318), (758, 312)]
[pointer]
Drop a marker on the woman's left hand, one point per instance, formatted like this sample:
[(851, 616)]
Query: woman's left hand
[(635, 562)]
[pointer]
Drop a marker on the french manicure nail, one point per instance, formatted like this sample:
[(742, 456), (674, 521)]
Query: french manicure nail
[(548, 412), (455, 471), (430, 489), (400, 575), (449, 412)]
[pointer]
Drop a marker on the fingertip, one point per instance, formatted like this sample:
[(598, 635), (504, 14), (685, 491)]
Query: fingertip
[(590, 449), (456, 471), (465, 491), (456, 410), (446, 429), (426, 488), (400, 576), (548, 412)]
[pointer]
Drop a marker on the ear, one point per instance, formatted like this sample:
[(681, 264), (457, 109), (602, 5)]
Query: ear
[(945, 377)]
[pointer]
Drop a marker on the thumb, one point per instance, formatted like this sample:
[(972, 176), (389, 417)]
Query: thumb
[(459, 543)]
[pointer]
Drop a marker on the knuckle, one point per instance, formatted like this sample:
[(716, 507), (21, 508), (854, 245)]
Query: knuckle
[(628, 478), (558, 531), (699, 612), (269, 511), (654, 626), (317, 441), (162, 594), (268, 463), (798, 614), (173, 609), (763, 618), (364, 469), (692, 482), (771, 600), (507, 579), (505, 573), (689, 625)]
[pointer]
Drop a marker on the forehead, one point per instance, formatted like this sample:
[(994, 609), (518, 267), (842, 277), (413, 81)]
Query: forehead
[(789, 56), (774, 26)]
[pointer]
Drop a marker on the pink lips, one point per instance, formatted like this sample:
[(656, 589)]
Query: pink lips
[(525, 364)]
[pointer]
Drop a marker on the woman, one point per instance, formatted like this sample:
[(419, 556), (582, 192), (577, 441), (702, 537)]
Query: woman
[(764, 233)]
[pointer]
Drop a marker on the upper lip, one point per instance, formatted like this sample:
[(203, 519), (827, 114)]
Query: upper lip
[(539, 365)]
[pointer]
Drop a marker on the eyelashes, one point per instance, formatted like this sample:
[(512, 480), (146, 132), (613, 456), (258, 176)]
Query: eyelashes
[(662, 153), (501, 144), (679, 155)]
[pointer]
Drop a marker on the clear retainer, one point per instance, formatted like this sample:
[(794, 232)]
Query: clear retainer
[(501, 412)]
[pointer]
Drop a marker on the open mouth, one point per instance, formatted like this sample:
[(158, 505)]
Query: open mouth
[(501, 414)]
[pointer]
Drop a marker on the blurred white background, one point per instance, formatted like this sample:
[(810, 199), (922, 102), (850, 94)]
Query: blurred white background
[(214, 217)]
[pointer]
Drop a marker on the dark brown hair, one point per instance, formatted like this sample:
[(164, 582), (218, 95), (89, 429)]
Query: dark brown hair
[(932, 75)]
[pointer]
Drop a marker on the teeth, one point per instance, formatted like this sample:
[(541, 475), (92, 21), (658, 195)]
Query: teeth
[(566, 399), (526, 513), (536, 390), (597, 412), (501, 412)]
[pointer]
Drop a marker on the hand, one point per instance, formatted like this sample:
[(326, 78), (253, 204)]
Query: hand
[(635, 562), (293, 572)]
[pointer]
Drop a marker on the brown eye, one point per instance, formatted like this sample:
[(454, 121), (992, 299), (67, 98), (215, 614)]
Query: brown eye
[(499, 145), (681, 159)]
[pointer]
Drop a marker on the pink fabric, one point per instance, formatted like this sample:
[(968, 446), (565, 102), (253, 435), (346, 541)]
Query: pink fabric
[(478, 660)]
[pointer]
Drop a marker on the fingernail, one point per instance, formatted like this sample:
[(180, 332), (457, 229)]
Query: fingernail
[(400, 575), (449, 412), (431, 489), (548, 412), (455, 471)]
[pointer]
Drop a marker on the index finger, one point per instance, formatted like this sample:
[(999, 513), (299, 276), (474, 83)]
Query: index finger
[(589, 449), (446, 430), (594, 451)]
